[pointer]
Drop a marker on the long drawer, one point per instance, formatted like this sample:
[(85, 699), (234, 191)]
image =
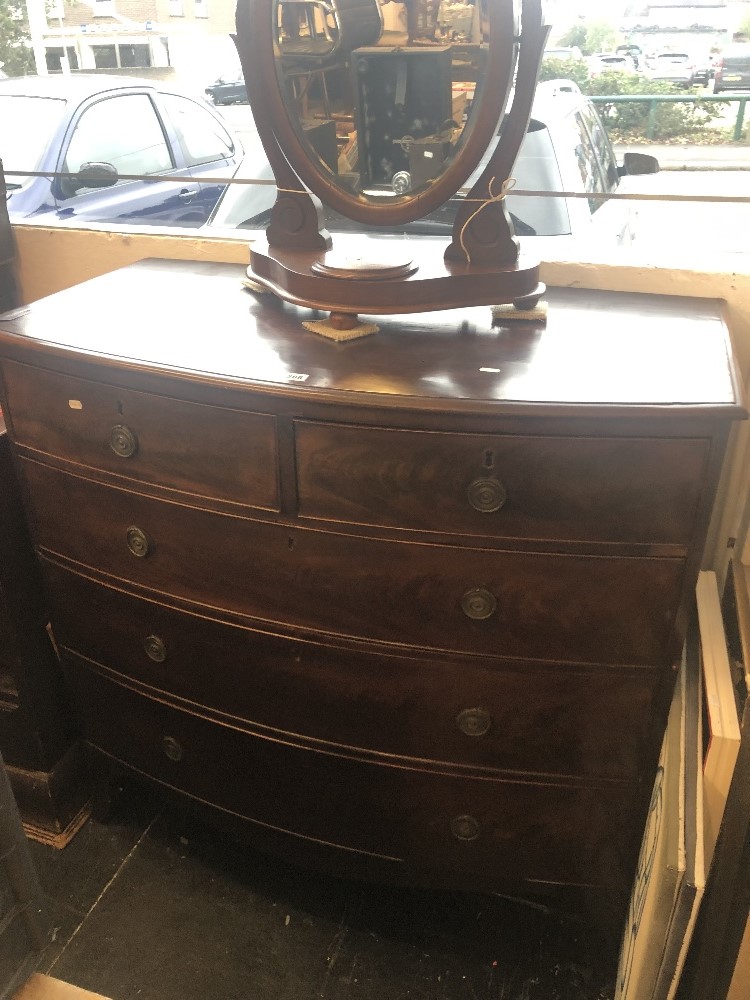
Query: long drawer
[(562, 832), (588, 489), (474, 712), (205, 451), (527, 605)]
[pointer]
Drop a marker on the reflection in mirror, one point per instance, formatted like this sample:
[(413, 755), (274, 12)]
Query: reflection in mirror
[(383, 96)]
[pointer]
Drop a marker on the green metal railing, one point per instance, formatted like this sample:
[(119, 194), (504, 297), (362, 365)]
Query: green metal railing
[(654, 100)]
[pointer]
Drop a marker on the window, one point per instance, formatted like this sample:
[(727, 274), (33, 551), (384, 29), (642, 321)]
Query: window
[(201, 136), (200, 8), (587, 162), (54, 58), (602, 148), (137, 146), (105, 56), (175, 8), (134, 55), (104, 8)]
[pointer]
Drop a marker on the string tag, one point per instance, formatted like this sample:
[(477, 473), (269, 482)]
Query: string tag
[(506, 188)]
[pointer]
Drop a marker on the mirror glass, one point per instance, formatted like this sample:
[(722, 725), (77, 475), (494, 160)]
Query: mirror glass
[(381, 94)]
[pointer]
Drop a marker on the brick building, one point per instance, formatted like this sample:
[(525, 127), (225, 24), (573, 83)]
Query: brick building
[(188, 40)]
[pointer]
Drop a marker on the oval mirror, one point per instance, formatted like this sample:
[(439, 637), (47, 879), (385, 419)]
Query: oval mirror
[(384, 109)]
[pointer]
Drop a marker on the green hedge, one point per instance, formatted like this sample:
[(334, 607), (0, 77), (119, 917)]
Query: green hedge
[(631, 120)]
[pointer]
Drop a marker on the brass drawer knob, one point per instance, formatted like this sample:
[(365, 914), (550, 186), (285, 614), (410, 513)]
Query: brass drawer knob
[(138, 542), (123, 441), (172, 748), (478, 604), (487, 495), (155, 648), (465, 828), (474, 722)]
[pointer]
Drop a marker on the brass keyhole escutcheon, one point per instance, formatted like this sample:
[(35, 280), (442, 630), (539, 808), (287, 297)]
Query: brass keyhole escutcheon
[(474, 722), (123, 441), (172, 748), (155, 648), (465, 828), (487, 494), (479, 604), (138, 542)]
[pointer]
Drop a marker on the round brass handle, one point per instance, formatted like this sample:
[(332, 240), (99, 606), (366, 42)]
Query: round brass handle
[(465, 828), (138, 542), (474, 722), (155, 648), (123, 441), (487, 495), (479, 604), (172, 748)]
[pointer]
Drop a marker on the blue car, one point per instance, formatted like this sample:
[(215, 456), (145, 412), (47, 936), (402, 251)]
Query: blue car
[(98, 128)]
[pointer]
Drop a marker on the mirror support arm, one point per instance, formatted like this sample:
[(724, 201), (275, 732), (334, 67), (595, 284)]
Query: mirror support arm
[(483, 231), (296, 217)]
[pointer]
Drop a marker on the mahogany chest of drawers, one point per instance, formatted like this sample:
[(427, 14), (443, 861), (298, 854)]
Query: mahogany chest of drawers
[(408, 607)]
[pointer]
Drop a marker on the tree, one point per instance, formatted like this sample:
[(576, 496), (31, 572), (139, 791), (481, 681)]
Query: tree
[(16, 57), (591, 37)]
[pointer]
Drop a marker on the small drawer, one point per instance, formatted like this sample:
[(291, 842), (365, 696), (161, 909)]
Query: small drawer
[(528, 605), (475, 712), (628, 490), (549, 831), (204, 451)]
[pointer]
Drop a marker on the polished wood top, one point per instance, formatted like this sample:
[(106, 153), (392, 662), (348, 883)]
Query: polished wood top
[(607, 350)]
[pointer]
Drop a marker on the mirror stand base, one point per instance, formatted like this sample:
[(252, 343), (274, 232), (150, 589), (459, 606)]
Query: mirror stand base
[(431, 283)]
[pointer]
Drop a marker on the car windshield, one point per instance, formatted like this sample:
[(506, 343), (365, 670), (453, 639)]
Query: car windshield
[(536, 169), (27, 125)]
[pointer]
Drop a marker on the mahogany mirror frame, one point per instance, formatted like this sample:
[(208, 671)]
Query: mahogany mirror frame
[(482, 264), (260, 57)]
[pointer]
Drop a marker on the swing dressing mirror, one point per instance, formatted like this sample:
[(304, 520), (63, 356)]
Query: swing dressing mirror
[(382, 113)]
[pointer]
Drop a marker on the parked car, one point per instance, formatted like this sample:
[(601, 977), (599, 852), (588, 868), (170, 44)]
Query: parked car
[(563, 53), (565, 149), (634, 51), (97, 128), (673, 67), (608, 62), (229, 89), (733, 69)]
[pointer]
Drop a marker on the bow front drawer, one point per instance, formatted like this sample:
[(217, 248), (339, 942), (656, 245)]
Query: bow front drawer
[(516, 716), (530, 605), (613, 489), (204, 451), (431, 818)]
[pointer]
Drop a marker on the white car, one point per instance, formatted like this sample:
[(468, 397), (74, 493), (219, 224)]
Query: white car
[(566, 149), (609, 62), (673, 67)]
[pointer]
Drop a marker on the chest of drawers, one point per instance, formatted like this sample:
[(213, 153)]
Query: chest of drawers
[(407, 607)]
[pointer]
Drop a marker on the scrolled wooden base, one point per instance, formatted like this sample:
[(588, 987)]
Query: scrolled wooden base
[(299, 276)]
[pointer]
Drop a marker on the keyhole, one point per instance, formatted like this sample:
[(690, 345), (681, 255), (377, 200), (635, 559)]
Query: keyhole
[(489, 459), (120, 408), (290, 543)]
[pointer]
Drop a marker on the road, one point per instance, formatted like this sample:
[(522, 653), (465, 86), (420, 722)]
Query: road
[(661, 225)]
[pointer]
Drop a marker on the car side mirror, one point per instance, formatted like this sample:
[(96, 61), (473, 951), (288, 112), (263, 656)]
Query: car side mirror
[(96, 175), (635, 164)]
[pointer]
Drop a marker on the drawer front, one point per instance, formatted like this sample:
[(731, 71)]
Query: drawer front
[(202, 450), (586, 489), (525, 605), (552, 832), (518, 717)]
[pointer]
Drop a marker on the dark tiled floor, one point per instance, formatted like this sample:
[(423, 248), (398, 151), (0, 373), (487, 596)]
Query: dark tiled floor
[(153, 905)]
